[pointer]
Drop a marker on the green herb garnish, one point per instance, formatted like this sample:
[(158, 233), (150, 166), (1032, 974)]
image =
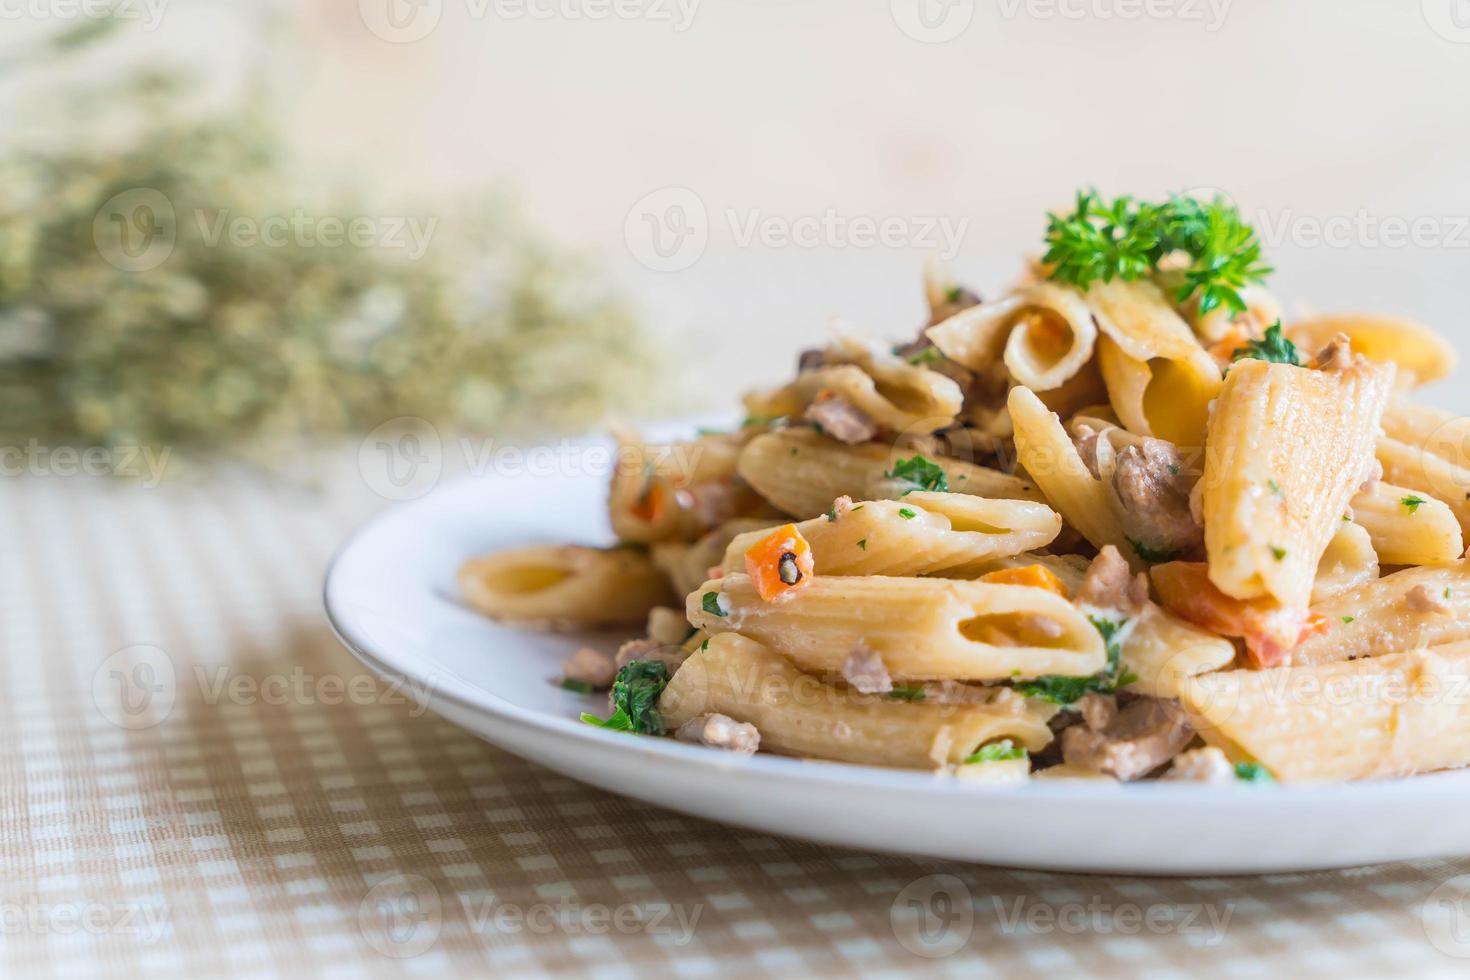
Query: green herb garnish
[(1275, 347), (920, 473), (710, 602), (907, 514), (1278, 553), (1348, 619), (580, 687), (907, 692), (1154, 556), (635, 694), (1000, 751), (1252, 772), (1412, 502), (1067, 690), (1126, 239), (863, 544), (929, 355)]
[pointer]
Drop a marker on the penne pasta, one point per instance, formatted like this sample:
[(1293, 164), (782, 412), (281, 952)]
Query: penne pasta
[(1287, 449), (1391, 715), (677, 491), (798, 714), (1348, 562), (1420, 354), (565, 586), (1411, 466), (924, 629), (1044, 334), (688, 565), (1414, 607), (922, 533), (802, 472), (1407, 527)]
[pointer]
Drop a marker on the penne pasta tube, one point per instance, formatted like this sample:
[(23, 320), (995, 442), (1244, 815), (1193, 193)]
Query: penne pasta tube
[(1407, 527), (896, 395), (924, 629), (1420, 354), (1044, 333), (677, 491), (688, 565), (1286, 451), (1413, 607), (1161, 651), (1430, 430), (565, 586), (1411, 466), (1049, 456), (802, 472), (800, 715), (1348, 562), (921, 533), (1391, 715)]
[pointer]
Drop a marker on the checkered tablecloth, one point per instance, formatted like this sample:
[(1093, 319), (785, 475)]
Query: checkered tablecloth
[(278, 814)]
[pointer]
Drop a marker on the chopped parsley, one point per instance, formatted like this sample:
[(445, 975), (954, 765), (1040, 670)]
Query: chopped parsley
[(832, 513), (580, 687), (1348, 619), (635, 694), (1127, 238), (1446, 591), (929, 355), (1275, 347), (1252, 772), (754, 420), (1174, 469), (1067, 690), (863, 544), (705, 645), (920, 473), (999, 751), (907, 692), (1412, 502), (907, 514), (1274, 487), (953, 294), (710, 602), (1278, 553), (1154, 556)]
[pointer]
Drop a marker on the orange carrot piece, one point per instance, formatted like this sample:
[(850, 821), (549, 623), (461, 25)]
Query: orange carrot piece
[(650, 506), (779, 562), (1036, 575), (1270, 630)]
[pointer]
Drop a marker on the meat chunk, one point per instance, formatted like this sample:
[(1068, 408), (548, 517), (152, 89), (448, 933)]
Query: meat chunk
[(1086, 440), (1207, 765), (1135, 741), (1423, 599), (1108, 584), (1097, 710), (864, 670), (589, 666), (1336, 356), (1150, 499), (720, 732), (841, 420)]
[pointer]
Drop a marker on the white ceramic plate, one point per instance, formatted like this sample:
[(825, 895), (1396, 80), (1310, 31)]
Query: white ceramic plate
[(391, 598)]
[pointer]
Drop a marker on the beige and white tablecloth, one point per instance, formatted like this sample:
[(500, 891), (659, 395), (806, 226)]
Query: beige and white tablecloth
[(287, 816)]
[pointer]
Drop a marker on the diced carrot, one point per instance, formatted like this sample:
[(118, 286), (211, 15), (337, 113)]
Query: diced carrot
[(1270, 630), (650, 507), (1037, 575), (1223, 350), (779, 562)]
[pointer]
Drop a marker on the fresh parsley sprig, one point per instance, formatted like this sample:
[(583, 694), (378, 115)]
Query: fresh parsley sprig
[(1273, 347), (634, 698), (1127, 238), (1067, 690)]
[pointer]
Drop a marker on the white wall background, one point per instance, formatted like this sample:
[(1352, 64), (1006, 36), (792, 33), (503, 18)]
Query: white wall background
[(1347, 117)]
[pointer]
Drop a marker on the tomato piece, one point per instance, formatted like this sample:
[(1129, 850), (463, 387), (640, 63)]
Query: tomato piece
[(1270, 630), (1038, 576), (652, 504), (779, 563)]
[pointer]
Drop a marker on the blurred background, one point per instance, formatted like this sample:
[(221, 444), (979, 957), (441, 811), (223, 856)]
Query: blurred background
[(229, 226)]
